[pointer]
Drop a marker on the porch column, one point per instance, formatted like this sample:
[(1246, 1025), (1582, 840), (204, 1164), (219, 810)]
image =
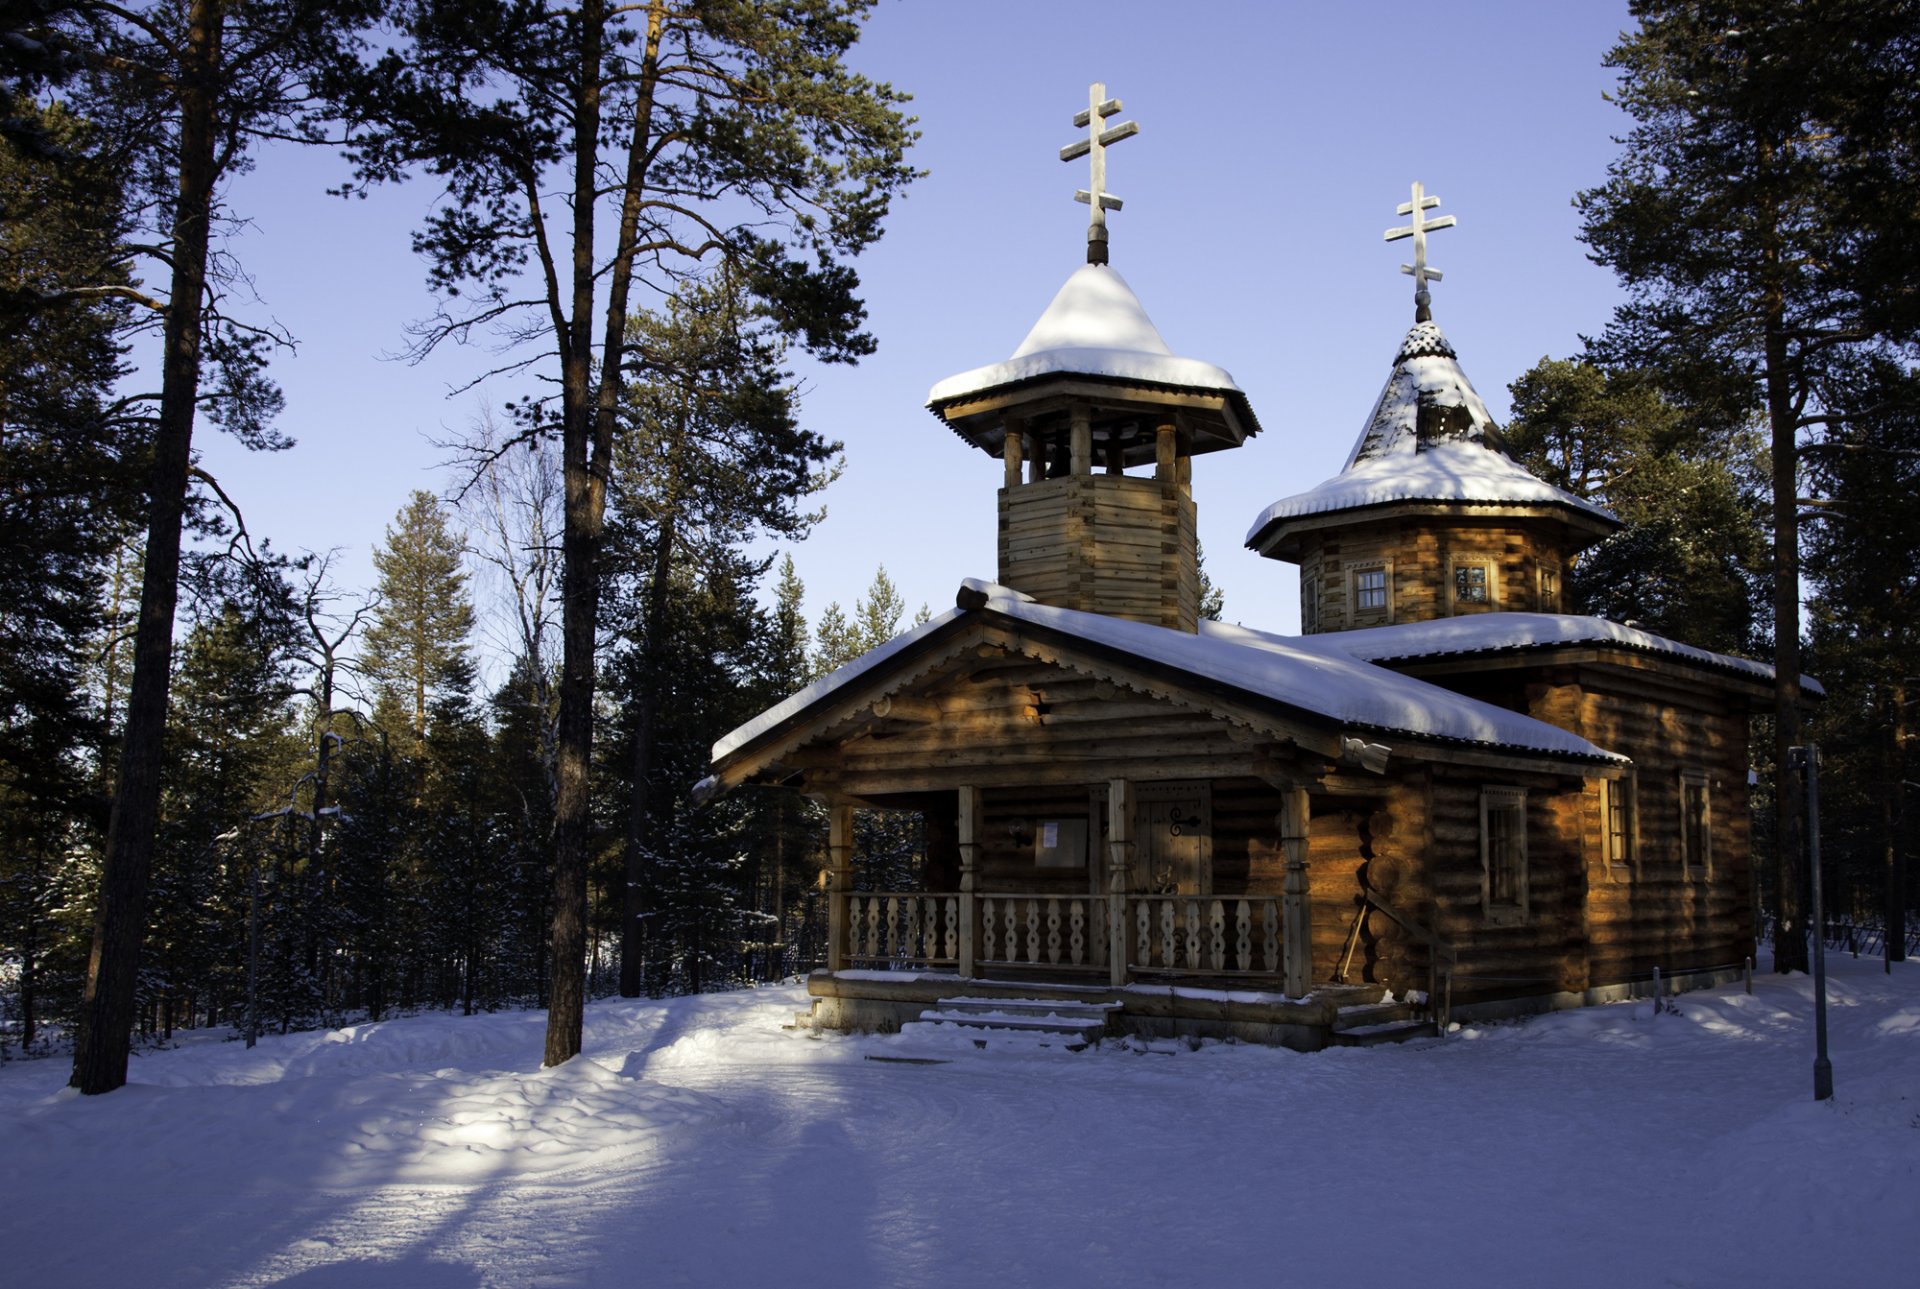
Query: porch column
[(1013, 450), (1081, 443), (839, 882), (1119, 860), (1296, 914), (973, 826)]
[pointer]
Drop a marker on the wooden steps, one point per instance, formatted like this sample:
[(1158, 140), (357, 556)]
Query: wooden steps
[(1371, 1024), (1024, 1022)]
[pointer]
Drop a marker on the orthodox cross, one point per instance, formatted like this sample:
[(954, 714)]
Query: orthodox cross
[(1096, 144), (1418, 230)]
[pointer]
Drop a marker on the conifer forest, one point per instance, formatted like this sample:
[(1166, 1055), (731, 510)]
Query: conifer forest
[(235, 792)]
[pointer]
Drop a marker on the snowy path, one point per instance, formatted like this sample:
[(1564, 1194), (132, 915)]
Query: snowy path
[(699, 1144)]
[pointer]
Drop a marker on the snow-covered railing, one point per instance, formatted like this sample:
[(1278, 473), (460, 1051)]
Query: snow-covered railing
[(1204, 935)]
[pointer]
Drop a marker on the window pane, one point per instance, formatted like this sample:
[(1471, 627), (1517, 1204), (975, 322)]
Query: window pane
[(1470, 584), (1370, 588)]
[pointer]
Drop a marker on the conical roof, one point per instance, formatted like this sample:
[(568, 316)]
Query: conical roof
[(1096, 326), (1430, 439)]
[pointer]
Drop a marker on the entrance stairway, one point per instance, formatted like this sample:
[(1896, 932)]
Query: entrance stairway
[(1016, 1022), (1370, 1024)]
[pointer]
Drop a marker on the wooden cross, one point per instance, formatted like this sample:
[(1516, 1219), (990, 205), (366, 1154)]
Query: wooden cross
[(1096, 143), (1418, 230)]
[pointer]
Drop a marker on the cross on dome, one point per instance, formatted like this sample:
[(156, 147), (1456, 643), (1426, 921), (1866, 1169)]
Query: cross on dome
[(1095, 145), (1422, 272)]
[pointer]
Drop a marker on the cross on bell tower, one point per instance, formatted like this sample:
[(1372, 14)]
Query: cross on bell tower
[(1095, 145), (1422, 272)]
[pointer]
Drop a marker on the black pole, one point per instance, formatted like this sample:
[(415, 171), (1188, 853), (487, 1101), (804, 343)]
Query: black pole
[(1809, 759)]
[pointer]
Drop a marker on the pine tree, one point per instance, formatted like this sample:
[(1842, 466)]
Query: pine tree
[(182, 91), (1737, 217), (416, 647), (682, 120)]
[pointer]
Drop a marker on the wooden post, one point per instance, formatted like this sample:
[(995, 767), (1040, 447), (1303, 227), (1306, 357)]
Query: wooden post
[(1037, 461), (1183, 468), (1165, 454), (1116, 455), (1296, 917), (1013, 449), (839, 881), (973, 826), (1082, 441), (1119, 860)]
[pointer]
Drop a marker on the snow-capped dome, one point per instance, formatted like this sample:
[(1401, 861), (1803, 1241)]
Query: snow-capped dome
[(1095, 326), (1430, 438)]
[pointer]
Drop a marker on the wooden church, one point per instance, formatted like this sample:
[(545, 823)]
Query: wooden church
[(1447, 796)]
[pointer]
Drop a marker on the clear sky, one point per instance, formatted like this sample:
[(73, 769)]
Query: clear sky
[(1275, 141)]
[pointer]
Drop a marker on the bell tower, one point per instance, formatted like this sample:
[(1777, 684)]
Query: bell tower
[(1092, 394)]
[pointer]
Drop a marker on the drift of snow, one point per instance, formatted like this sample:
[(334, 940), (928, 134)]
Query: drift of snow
[(1095, 326), (697, 1143)]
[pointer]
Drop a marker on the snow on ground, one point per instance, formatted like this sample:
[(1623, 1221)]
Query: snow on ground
[(700, 1144)]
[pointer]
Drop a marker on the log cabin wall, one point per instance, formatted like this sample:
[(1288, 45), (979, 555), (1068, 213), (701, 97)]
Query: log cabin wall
[(1104, 543), (1651, 908), (1525, 560)]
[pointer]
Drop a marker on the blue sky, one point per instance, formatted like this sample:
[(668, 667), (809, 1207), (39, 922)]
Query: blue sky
[(1275, 141)]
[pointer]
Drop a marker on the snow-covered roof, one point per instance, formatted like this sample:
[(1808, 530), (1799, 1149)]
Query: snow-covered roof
[(1456, 457), (1486, 632), (1094, 327), (1305, 674)]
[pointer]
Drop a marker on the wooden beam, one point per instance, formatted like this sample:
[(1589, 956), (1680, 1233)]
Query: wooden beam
[(1120, 843), (839, 881), (1165, 451), (904, 707), (1082, 442), (1296, 908), (971, 827), (1012, 450)]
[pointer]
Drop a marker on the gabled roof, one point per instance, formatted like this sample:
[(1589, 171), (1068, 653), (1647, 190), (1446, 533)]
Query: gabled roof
[(1502, 632), (1097, 327), (1307, 676), (1430, 439)]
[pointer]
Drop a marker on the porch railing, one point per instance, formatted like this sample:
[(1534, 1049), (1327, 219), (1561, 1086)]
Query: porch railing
[(1204, 935), (1178, 935)]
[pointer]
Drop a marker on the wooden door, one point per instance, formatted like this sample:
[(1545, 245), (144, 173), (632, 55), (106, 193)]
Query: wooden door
[(1173, 854)]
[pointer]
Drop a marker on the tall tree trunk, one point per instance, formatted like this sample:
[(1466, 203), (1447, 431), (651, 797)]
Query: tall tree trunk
[(1893, 818), (107, 1011), (586, 443)]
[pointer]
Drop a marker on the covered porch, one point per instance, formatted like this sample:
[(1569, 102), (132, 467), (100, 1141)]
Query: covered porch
[(1122, 891)]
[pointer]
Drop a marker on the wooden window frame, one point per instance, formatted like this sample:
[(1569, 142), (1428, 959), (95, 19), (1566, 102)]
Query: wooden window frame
[(1622, 844), (1309, 604), (1541, 574), (1356, 612), (1496, 801), (1457, 562), (1696, 866)]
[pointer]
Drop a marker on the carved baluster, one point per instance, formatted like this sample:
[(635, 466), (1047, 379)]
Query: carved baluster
[(1271, 944), (853, 925), (990, 924), (1242, 940), (1033, 930), (1077, 932), (1217, 923), (893, 927), (1193, 933), (953, 927), (873, 926), (1053, 932), (1143, 918)]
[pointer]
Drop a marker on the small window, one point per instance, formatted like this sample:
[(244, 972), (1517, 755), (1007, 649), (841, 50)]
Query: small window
[(1371, 588), (1473, 584), (1309, 604), (1503, 852), (1696, 823), (1549, 590), (1618, 796)]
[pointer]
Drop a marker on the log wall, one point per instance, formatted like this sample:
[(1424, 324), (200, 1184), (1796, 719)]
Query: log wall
[(1421, 554), (1104, 543)]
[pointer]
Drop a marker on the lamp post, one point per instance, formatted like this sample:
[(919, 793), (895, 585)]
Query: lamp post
[(1807, 759)]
